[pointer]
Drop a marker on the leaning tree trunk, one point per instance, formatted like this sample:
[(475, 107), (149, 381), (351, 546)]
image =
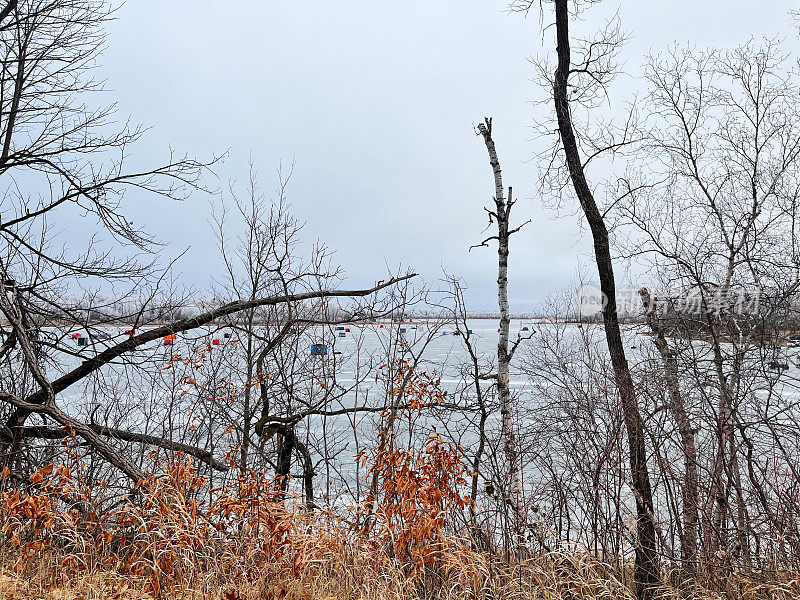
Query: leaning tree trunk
[(501, 216), (646, 569)]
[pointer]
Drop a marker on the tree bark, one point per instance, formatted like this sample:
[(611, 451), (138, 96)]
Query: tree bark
[(691, 482), (646, 568), (501, 215)]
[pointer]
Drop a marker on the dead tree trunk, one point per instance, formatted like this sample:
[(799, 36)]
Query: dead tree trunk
[(501, 216), (646, 570)]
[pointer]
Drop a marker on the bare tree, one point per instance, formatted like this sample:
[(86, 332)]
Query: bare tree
[(476, 407), (677, 405), (717, 226), (501, 217), (43, 401), (591, 76), (63, 160)]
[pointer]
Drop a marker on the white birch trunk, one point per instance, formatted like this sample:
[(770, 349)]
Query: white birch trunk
[(501, 216)]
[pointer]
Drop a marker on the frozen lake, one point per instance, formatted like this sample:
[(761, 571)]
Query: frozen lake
[(193, 389)]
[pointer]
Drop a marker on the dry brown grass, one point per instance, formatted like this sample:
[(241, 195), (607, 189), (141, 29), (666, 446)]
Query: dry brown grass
[(468, 576), (247, 543)]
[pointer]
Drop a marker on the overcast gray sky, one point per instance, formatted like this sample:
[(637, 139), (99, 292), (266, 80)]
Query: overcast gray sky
[(376, 102)]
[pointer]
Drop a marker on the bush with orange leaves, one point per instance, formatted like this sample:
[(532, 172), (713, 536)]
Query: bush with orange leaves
[(416, 492), (418, 495)]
